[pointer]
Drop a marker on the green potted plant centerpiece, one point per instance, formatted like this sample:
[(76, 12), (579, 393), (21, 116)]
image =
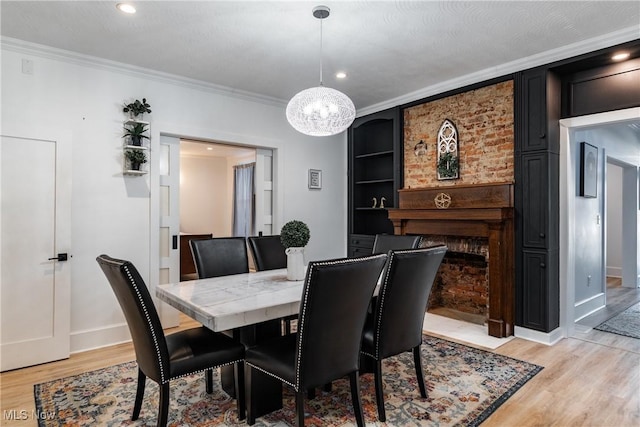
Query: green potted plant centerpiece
[(294, 236), (136, 133), (136, 158)]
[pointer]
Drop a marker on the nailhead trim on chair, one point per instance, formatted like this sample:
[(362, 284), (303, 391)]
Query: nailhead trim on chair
[(272, 375), (146, 315), (301, 321), (206, 369), (382, 299)]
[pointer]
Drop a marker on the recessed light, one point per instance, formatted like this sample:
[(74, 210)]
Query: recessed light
[(341, 75), (210, 148), (126, 8), (620, 56)]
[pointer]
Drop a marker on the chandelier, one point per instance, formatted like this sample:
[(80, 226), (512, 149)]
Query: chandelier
[(320, 111)]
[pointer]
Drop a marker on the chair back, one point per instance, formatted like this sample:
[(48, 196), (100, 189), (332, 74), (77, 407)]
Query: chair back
[(333, 310), (384, 243), (402, 299), (220, 256), (142, 318), (268, 252)]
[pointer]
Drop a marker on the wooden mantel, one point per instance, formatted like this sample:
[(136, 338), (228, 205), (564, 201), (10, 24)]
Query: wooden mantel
[(471, 211)]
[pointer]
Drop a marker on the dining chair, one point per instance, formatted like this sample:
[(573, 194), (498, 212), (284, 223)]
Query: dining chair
[(384, 243), (396, 323), (326, 347), (166, 357), (268, 254), (220, 256)]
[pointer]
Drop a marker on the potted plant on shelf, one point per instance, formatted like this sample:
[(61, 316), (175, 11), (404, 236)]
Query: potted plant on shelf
[(137, 108), (294, 236), (135, 158), (136, 133)]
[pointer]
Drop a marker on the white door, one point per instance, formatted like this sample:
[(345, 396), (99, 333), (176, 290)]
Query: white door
[(169, 222), (35, 181), (263, 182)]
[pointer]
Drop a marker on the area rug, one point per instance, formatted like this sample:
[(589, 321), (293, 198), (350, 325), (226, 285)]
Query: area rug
[(626, 323), (465, 385)]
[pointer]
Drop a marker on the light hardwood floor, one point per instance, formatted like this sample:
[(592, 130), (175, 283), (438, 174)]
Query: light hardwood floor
[(583, 383)]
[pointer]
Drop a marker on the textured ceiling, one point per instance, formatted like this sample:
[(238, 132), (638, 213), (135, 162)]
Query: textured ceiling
[(388, 48)]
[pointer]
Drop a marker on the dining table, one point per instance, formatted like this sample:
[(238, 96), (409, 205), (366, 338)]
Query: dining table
[(247, 306)]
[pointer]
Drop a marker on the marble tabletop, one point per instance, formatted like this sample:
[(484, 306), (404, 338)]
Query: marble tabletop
[(228, 302)]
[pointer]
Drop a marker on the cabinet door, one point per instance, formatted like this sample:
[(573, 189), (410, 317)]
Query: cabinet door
[(535, 201), (534, 87), (539, 301), (360, 245)]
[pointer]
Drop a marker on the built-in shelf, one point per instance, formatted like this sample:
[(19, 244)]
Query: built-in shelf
[(132, 172), (374, 181), (376, 154), (128, 146), (374, 173)]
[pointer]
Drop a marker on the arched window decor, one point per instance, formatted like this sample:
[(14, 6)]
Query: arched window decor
[(448, 165)]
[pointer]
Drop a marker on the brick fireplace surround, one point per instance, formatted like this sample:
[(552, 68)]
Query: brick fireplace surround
[(473, 211)]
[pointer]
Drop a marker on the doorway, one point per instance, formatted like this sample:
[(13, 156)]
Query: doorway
[(571, 132), (619, 261)]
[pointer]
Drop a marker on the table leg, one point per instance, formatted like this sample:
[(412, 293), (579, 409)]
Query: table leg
[(267, 391)]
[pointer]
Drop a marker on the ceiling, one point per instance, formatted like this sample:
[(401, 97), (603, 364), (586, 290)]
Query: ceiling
[(190, 148), (271, 50)]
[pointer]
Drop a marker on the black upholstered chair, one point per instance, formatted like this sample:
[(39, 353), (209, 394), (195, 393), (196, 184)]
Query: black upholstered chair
[(396, 323), (268, 252), (384, 243), (326, 347), (220, 256), (164, 358)]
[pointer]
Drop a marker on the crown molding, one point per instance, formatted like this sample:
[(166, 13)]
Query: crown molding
[(547, 57), (48, 52)]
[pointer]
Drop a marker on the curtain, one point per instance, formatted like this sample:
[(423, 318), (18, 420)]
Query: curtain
[(243, 208)]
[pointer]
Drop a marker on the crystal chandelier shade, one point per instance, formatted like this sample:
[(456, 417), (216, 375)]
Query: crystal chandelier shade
[(320, 111)]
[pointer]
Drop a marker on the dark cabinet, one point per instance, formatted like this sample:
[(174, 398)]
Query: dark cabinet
[(543, 300), (540, 224), (375, 174), (537, 200)]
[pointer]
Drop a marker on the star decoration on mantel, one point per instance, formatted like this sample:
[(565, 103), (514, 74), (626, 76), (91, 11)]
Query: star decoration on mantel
[(442, 200)]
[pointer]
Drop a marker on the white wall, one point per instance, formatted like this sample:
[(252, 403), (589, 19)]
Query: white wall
[(620, 142), (110, 212), (204, 205), (614, 220)]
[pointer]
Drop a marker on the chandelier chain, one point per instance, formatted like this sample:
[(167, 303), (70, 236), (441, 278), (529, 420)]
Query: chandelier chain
[(321, 19)]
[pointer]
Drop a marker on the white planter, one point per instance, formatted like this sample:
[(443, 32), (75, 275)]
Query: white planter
[(295, 263)]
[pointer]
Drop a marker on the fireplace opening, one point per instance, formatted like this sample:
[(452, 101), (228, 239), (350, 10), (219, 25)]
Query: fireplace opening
[(461, 287)]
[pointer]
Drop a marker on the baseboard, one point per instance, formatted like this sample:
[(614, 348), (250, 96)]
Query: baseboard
[(98, 338), (584, 308), (547, 338), (614, 272)]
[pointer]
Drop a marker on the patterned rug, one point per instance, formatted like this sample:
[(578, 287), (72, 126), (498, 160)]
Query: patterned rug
[(626, 323), (464, 385)]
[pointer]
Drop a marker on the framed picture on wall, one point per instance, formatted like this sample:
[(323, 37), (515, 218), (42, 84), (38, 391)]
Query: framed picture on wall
[(588, 170), (315, 179)]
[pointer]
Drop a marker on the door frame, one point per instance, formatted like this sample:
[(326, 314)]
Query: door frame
[(167, 313), (567, 207)]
